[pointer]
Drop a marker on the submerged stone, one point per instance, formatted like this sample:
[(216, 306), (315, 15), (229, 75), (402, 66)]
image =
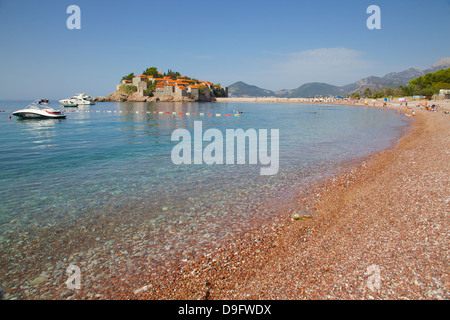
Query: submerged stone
[(301, 216)]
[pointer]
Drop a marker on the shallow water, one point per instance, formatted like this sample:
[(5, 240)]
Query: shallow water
[(116, 166)]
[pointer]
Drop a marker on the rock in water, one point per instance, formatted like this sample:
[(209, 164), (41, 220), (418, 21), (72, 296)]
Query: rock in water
[(301, 216)]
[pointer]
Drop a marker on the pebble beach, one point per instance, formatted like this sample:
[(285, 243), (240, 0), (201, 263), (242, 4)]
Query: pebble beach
[(376, 231)]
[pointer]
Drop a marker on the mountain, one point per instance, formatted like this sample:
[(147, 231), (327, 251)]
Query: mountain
[(444, 63), (241, 89), (315, 89), (393, 80)]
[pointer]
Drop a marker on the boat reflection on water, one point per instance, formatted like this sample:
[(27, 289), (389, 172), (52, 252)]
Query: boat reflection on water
[(40, 133)]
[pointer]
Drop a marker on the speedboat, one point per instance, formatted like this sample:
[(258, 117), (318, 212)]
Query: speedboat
[(77, 100), (71, 102), (39, 109)]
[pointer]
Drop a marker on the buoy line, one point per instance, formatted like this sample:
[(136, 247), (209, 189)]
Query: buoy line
[(173, 113)]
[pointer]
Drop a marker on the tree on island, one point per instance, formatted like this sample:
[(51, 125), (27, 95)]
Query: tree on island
[(172, 74), (127, 89), (128, 77), (152, 71)]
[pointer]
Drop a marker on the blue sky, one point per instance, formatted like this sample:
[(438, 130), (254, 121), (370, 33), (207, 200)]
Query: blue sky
[(272, 44)]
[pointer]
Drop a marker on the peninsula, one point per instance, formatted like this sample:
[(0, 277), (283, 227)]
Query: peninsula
[(153, 85)]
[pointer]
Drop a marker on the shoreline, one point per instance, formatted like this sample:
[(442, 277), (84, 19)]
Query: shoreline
[(375, 103), (388, 213)]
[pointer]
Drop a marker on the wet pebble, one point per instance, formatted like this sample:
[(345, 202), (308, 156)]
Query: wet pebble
[(37, 281)]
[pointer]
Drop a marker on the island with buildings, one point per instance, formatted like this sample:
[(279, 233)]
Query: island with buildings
[(152, 85)]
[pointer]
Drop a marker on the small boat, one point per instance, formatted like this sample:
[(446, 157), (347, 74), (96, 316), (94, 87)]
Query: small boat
[(79, 99), (39, 109)]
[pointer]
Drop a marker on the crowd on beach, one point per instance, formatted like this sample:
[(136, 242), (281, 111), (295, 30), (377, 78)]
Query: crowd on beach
[(424, 106)]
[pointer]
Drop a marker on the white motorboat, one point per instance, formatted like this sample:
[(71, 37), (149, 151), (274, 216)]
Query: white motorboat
[(71, 102), (39, 109), (79, 99), (84, 99)]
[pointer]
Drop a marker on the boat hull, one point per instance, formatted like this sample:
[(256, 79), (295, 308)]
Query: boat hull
[(27, 114), (68, 103), (85, 103)]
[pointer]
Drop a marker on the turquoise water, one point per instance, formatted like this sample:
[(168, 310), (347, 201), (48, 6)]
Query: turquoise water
[(64, 172)]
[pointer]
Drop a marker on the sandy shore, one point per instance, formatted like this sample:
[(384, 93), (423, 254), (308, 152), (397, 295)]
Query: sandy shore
[(379, 231)]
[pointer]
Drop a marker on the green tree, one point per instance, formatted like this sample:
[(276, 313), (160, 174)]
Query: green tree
[(389, 91), (429, 91), (441, 85), (378, 94), (430, 83), (367, 93), (128, 77), (172, 74), (442, 76), (150, 89), (127, 89), (355, 96), (152, 71)]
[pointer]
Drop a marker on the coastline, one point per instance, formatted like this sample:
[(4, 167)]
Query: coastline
[(387, 213), (376, 103)]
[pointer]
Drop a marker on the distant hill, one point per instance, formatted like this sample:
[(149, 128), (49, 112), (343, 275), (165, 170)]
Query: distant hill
[(315, 89), (241, 89), (393, 80)]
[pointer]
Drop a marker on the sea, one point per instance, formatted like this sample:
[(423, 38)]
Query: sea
[(107, 169)]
